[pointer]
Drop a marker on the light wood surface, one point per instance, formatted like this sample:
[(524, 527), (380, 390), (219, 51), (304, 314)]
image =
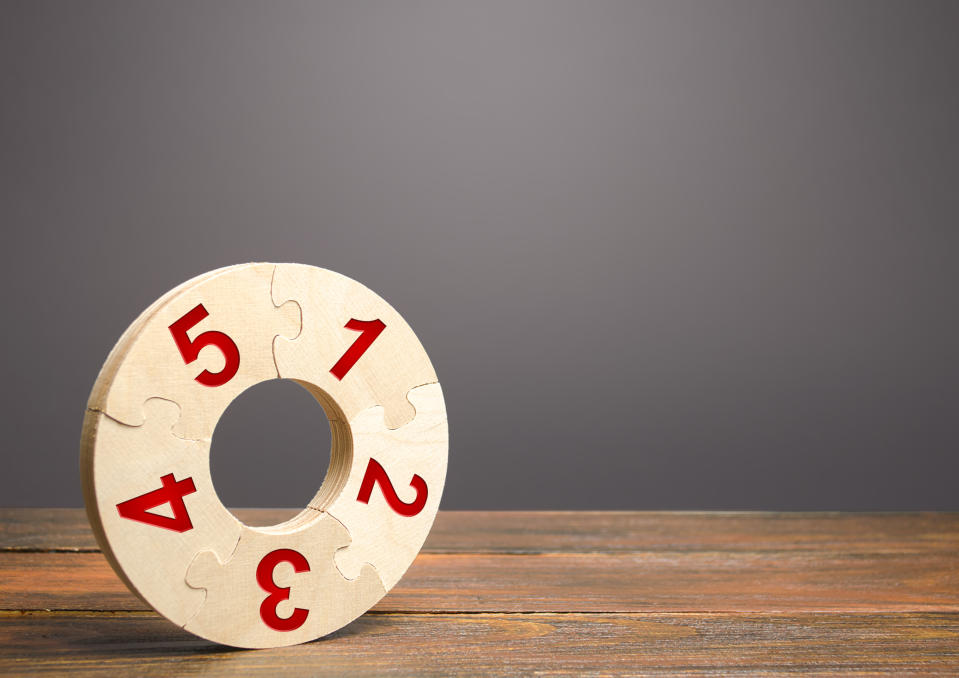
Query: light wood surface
[(151, 416), (554, 593)]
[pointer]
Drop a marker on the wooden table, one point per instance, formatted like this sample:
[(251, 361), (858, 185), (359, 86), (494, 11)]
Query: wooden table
[(546, 593)]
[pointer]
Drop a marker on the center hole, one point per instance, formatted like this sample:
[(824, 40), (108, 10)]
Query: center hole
[(271, 449)]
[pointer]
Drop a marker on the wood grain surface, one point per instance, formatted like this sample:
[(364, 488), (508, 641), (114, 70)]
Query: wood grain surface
[(548, 593)]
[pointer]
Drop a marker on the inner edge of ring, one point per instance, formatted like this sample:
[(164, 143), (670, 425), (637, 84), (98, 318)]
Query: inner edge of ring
[(338, 472)]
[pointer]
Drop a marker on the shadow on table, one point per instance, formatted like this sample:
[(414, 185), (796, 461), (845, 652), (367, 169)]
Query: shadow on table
[(147, 644)]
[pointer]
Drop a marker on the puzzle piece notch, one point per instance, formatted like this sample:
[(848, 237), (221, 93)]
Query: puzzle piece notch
[(381, 535), (234, 611), (123, 463), (239, 306), (390, 366), (160, 415)]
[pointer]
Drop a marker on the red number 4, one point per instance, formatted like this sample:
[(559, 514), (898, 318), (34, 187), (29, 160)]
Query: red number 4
[(172, 493)]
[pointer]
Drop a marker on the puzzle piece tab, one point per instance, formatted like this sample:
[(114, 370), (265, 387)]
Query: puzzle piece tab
[(280, 588)]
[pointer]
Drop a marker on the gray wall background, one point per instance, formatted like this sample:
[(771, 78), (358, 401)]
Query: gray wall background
[(662, 254)]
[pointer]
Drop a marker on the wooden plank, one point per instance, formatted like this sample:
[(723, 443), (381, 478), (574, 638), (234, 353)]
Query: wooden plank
[(497, 645), (453, 532), (45, 529), (675, 531), (582, 531), (600, 593), (652, 582)]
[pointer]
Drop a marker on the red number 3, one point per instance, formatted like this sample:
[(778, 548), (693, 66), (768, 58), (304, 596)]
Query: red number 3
[(264, 577)]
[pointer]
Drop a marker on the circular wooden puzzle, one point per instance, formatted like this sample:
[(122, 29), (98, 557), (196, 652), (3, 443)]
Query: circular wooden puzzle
[(145, 458)]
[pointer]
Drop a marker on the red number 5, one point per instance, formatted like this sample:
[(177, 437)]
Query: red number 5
[(264, 577), (191, 349)]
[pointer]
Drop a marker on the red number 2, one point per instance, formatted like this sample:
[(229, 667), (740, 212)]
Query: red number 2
[(375, 473), (264, 577), (172, 492), (190, 350), (369, 330)]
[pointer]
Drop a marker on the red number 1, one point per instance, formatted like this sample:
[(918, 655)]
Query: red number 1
[(369, 330)]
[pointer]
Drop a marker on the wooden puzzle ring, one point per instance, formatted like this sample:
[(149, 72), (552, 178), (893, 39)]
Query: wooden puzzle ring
[(146, 441)]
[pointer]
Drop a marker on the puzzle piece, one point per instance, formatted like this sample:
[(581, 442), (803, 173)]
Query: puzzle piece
[(387, 369), (145, 472), (229, 343), (115, 358), (381, 534), (280, 591)]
